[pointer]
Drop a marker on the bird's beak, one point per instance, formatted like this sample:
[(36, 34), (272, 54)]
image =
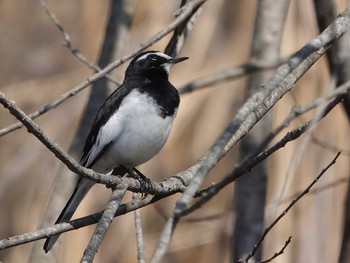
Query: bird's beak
[(177, 60)]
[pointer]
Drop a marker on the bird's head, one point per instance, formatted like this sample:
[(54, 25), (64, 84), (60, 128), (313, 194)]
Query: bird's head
[(152, 64)]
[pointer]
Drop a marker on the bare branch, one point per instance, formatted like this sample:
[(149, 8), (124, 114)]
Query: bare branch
[(251, 161), (103, 224), (74, 224), (316, 190), (180, 33), (165, 238), (279, 252), (139, 235), (68, 42), (228, 74)]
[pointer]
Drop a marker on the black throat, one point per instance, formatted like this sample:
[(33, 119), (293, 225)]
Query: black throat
[(160, 90)]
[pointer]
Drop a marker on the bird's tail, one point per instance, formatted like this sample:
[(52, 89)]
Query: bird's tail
[(80, 191)]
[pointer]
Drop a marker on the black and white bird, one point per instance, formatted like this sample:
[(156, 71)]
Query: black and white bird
[(131, 126)]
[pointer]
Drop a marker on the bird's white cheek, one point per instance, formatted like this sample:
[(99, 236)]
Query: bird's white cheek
[(167, 67)]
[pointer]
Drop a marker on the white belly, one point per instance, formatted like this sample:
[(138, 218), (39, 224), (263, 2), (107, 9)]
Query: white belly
[(141, 133)]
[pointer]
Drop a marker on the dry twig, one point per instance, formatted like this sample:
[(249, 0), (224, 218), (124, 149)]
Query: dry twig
[(285, 211)]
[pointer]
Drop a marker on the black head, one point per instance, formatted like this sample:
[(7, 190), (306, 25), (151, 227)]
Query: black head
[(152, 64)]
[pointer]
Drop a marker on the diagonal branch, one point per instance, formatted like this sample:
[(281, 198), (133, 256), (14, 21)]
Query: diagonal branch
[(103, 224), (68, 42), (277, 254), (229, 74)]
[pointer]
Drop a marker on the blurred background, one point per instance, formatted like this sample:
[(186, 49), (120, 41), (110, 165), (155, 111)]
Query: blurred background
[(35, 68)]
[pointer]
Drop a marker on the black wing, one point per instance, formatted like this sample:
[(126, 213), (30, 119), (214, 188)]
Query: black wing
[(108, 108)]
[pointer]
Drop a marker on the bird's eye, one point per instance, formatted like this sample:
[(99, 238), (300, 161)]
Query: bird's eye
[(153, 58)]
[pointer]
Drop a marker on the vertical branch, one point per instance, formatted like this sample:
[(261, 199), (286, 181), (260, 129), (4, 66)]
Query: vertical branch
[(250, 191), (339, 55), (339, 66), (139, 235)]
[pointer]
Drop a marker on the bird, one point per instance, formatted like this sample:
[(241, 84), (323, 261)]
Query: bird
[(131, 126)]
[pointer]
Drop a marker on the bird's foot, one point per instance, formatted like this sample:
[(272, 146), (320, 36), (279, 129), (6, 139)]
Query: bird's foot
[(145, 182)]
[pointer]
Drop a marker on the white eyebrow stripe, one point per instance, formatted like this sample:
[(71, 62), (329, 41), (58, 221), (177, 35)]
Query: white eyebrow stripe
[(153, 53)]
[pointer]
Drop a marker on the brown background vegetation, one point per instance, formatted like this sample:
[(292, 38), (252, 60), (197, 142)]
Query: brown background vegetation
[(35, 69)]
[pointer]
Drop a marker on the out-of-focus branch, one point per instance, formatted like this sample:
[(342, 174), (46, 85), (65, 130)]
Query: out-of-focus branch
[(229, 74), (339, 67), (69, 44), (285, 211), (251, 161), (187, 11), (339, 55), (250, 192), (329, 147)]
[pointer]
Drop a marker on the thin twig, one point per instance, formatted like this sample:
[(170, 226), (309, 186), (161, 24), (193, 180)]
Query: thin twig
[(173, 184), (285, 211), (228, 74), (277, 254), (317, 190), (74, 224), (103, 224), (69, 44), (295, 112)]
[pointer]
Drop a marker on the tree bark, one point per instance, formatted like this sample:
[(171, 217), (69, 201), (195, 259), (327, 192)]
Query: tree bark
[(250, 190)]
